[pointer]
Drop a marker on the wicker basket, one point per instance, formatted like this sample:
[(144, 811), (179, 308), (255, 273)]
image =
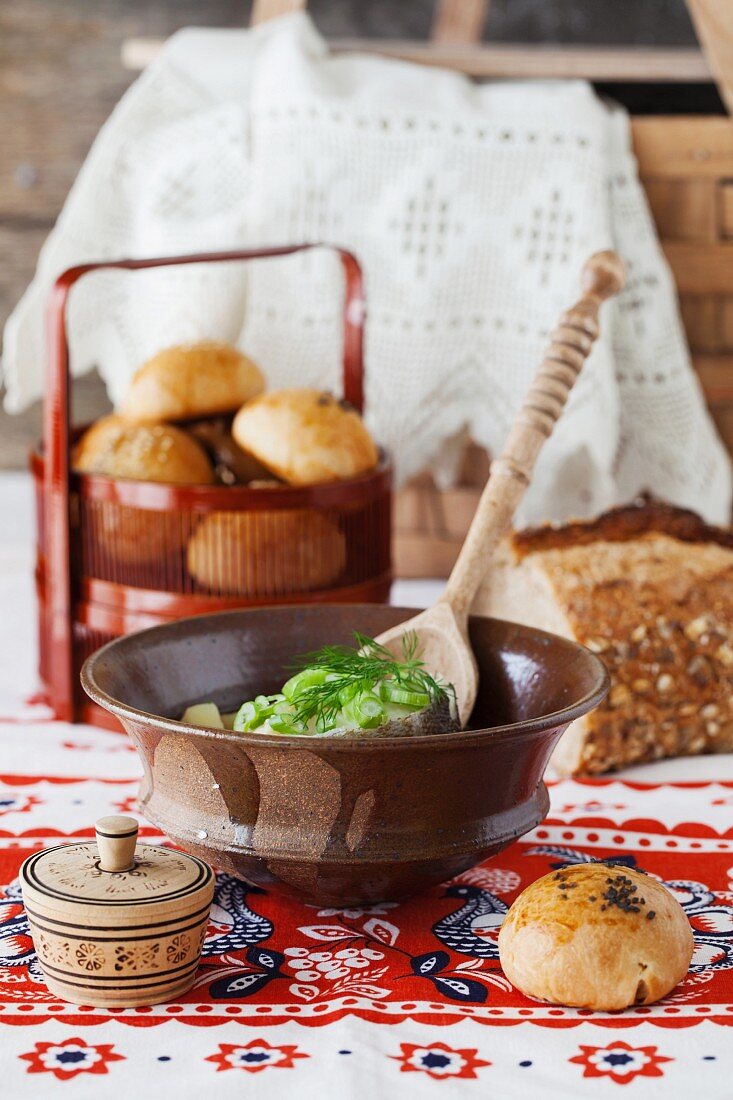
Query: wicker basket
[(114, 556)]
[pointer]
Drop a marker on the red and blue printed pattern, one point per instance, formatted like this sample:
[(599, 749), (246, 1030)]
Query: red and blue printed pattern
[(617, 1062), (433, 959)]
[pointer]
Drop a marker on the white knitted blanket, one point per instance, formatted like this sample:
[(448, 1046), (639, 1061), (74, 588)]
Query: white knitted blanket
[(472, 209)]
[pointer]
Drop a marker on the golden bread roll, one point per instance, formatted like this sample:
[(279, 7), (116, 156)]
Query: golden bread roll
[(597, 936), (191, 380), (142, 452), (159, 452), (305, 437), (253, 553)]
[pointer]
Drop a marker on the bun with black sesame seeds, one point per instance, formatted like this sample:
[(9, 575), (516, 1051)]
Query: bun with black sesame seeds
[(596, 935)]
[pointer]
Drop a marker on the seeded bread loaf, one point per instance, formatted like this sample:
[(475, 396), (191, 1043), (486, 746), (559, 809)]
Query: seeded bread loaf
[(650, 589)]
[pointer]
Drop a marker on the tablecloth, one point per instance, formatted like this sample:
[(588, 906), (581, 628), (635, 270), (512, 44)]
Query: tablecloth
[(407, 1000)]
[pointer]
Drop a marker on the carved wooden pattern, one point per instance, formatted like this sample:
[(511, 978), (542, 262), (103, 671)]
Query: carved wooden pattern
[(122, 938)]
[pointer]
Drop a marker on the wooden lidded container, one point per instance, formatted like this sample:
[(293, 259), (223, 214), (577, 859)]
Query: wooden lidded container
[(115, 924), (113, 555)]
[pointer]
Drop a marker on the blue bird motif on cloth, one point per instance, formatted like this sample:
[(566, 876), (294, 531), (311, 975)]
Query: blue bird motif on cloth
[(473, 927), (712, 925), (236, 926)]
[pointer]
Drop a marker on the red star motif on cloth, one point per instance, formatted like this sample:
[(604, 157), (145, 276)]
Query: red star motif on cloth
[(69, 1058), (620, 1062), (439, 1061), (255, 1056)]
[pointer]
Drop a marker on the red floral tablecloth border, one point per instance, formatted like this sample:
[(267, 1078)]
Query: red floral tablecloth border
[(433, 959)]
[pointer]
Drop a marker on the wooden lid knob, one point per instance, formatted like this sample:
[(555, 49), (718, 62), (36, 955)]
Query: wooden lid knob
[(116, 840), (603, 275)]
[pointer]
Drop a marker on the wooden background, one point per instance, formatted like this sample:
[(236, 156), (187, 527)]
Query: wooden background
[(60, 75)]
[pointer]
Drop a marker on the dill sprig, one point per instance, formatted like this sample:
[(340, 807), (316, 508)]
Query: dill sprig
[(359, 668)]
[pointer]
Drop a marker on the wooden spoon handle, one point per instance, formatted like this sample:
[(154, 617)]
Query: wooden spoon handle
[(570, 344)]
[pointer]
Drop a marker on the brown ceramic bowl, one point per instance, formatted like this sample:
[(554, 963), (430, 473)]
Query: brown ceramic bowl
[(338, 820)]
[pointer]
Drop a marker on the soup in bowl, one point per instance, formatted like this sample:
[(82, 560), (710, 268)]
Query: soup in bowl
[(338, 820)]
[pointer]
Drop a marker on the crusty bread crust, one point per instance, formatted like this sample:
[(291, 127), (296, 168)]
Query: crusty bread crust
[(622, 525), (596, 936), (650, 590)]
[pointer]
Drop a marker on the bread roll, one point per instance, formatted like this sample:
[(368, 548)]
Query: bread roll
[(305, 437), (266, 553), (139, 452), (596, 935), (134, 536), (191, 380), (649, 588)]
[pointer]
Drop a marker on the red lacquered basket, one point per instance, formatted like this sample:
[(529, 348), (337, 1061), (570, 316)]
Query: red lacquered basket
[(114, 556)]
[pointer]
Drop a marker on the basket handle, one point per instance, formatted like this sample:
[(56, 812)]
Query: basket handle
[(56, 430)]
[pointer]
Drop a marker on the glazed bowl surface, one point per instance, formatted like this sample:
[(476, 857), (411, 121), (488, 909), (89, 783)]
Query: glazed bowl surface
[(332, 820)]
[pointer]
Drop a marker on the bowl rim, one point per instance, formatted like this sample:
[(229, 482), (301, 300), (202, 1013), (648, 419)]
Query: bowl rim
[(509, 731)]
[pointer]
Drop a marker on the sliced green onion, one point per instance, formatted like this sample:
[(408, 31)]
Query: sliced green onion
[(280, 724), (247, 713), (366, 710), (324, 725), (283, 707), (309, 677), (347, 693), (253, 714), (394, 693)]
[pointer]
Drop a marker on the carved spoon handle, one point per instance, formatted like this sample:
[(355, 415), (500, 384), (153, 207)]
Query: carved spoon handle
[(570, 343)]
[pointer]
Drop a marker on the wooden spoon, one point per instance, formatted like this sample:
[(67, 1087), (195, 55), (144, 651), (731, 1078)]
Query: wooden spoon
[(443, 629)]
